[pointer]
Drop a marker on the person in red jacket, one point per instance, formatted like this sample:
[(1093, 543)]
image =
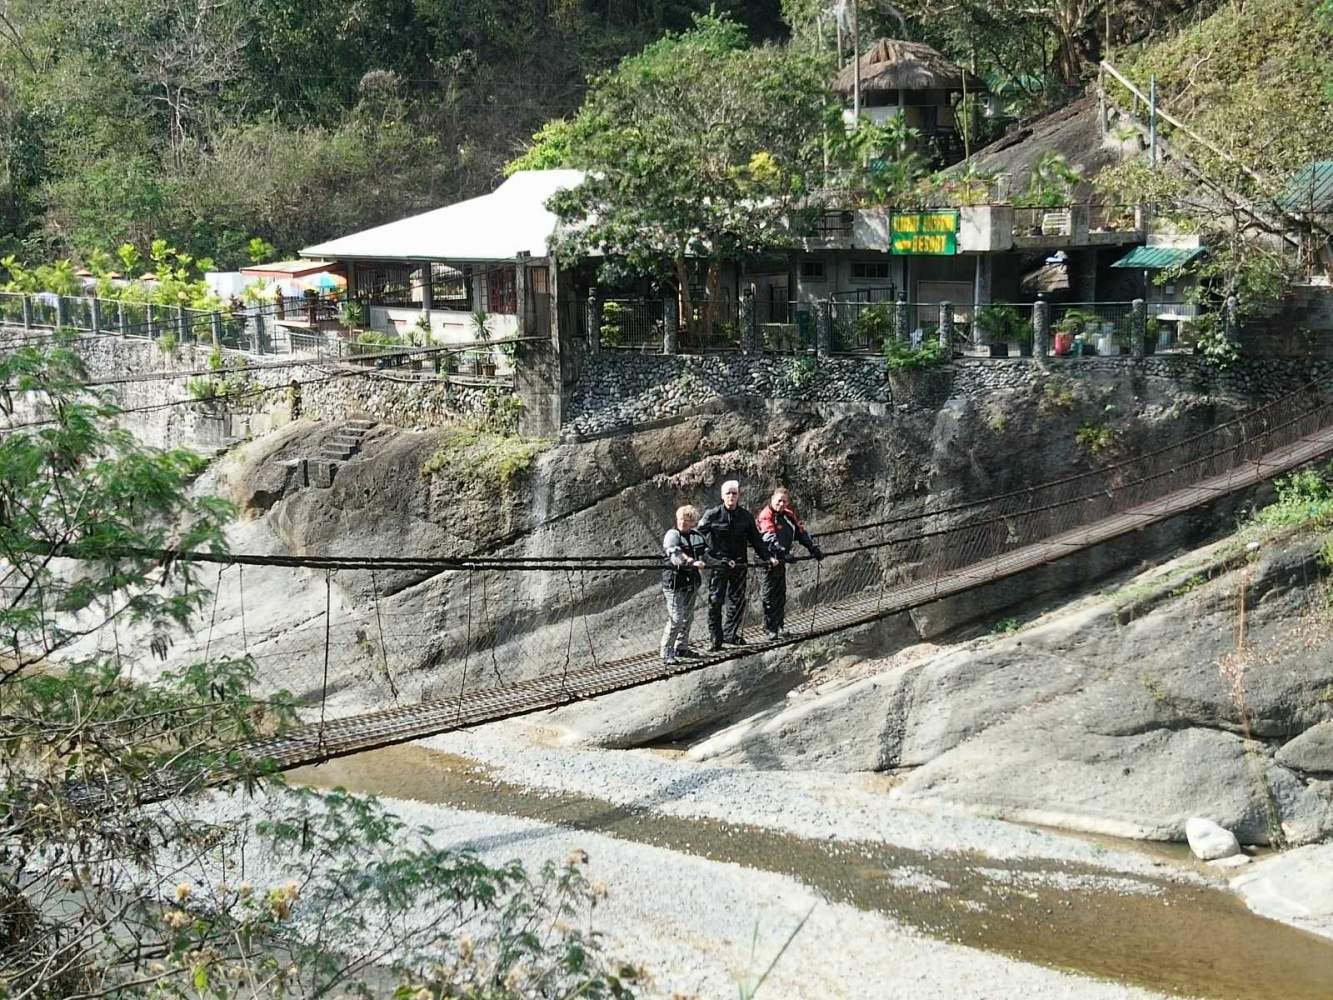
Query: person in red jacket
[(782, 529)]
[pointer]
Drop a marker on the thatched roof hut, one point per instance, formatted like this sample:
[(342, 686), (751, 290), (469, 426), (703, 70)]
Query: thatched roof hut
[(892, 65)]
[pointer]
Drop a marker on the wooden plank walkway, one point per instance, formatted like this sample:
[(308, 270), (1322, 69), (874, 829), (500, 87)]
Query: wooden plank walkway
[(355, 734)]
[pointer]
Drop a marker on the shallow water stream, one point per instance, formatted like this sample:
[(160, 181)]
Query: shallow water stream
[(1153, 933)]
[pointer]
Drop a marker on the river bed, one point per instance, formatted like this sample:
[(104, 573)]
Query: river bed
[(1171, 932)]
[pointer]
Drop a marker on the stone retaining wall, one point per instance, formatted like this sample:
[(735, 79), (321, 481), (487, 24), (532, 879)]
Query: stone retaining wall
[(385, 397), (617, 391)]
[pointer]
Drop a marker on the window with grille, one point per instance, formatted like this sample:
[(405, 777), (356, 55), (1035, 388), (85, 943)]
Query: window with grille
[(877, 270)]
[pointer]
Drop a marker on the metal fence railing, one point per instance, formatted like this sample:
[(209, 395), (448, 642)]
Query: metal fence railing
[(795, 332), (636, 324), (263, 328)]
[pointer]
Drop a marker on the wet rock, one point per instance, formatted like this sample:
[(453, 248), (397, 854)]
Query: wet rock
[(1210, 841), (1295, 887)]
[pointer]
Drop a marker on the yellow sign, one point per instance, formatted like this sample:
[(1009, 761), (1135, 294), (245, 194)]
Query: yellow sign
[(925, 233)]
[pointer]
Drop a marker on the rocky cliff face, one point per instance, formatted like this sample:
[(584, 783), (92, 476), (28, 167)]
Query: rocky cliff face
[(1201, 688), (1097, 717)]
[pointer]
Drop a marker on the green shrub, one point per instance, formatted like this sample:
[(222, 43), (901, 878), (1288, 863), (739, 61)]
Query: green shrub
[(351, 313), (167, 343), (876, 324), (1097, 439), (1303, 497), (490, 460), (1056, 394), (372, 338), (612, 331), (900, 357), (1001, 323), (800, 372), (203, 388)]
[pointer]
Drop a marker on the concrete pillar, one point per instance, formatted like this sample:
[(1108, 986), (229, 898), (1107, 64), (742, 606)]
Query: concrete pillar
[(946, 325), (543, 369), (258, 345), (1138, 324), (96, 306), (594, 314), (151, 316), (27, 312), (902, 318), (1041, 327), (823, 328), (216, 323), (670, 324), (983, 278), (428, 289), (1079, 222), (182, 327), (122, 321), (745, 322), (1085, 275), (62, 312)]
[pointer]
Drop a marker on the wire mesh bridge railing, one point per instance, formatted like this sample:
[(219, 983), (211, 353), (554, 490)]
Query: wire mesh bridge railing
[(450, 642)]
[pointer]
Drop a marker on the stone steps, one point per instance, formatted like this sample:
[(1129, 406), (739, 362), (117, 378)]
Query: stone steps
[(346, 440)]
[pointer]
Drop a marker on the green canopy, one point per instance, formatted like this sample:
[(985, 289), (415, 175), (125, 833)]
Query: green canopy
[(1154, 258)]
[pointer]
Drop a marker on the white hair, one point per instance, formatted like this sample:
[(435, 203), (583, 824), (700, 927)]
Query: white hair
[(731, 484)]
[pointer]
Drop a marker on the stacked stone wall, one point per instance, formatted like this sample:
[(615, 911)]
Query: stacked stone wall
[(617, 391)]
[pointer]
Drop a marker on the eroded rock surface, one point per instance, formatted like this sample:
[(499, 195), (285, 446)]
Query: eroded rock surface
[(1125, 713)]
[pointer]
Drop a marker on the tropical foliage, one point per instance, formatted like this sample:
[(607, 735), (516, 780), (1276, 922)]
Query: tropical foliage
[(101, 895), (699, 147)]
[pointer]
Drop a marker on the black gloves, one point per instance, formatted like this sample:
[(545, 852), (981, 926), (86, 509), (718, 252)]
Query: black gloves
[(816, 551)]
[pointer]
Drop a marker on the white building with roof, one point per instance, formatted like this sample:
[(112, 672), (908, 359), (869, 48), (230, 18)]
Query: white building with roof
[(452, 263)]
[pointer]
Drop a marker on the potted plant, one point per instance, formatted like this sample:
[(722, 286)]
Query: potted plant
[(1000, 324), (1124, 334), (1071, 328), (351, 314)]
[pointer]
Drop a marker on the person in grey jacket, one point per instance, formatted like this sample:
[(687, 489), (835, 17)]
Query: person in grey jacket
[(684, 550)]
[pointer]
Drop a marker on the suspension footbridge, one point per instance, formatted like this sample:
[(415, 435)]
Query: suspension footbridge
[(872, 570)]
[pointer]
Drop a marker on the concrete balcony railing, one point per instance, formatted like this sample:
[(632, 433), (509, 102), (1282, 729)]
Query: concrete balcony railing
[(992, 228)]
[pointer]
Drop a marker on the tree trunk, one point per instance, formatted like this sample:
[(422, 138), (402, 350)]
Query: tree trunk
[(686, 303), (713, 283)]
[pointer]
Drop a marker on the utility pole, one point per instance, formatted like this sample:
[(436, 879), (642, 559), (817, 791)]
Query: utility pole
[(1152, 122), (856, 69)]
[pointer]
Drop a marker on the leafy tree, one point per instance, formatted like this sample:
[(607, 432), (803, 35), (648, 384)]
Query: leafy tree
[(699, 149), (101, 895)]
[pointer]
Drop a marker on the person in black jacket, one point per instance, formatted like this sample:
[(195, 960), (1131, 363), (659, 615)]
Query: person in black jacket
[(729, 528)]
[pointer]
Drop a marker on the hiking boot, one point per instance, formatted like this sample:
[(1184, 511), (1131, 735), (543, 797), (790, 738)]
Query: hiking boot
[(715, 647), (669, 658), (738, 641), (686, 654)]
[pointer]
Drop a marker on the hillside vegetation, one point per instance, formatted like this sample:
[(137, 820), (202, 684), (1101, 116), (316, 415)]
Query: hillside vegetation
[(1254, 78)]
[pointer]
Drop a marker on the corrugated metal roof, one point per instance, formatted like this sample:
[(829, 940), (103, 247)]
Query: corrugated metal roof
[(495, 226), (1154, 258), (1310, 188)]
